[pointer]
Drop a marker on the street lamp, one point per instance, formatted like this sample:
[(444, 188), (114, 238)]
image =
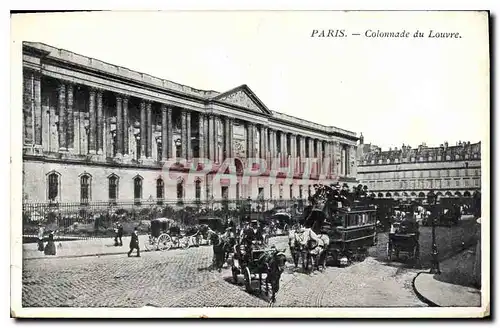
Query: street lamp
[(431, 199)]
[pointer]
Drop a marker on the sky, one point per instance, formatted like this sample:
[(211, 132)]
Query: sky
[(394, 91)]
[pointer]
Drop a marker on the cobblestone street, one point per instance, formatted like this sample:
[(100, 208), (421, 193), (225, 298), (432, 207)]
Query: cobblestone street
[(180, 278)]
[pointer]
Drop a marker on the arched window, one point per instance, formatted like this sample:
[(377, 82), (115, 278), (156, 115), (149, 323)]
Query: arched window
[(53, 186), (113, 188), (180, 190), (160, 187), (197, 190), (137, 188), (85, 188), (388, 194)]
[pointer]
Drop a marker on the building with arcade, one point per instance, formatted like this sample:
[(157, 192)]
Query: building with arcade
[(408, 172)]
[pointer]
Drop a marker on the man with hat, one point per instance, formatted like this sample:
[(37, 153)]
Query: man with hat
[(134, 243)]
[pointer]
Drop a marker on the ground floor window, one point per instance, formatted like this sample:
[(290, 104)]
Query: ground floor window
[(197, 191), (53, 186), (113, 188), (85, 189)]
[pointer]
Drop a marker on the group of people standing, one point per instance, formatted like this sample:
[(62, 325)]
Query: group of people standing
[(134, 240), (50, 247)]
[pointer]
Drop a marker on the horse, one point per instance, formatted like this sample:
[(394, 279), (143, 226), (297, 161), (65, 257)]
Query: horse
[(315, 248), (294, 244), (276, 266), (218, 245)]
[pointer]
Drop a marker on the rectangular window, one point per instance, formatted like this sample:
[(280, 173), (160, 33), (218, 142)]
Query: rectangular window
[(197, 191), (261, 193), (281, 191), (113, 189), (84, 189), (466, 183), (300, 192), (270, 191), (291, 191), (225, 192), (457, 183)]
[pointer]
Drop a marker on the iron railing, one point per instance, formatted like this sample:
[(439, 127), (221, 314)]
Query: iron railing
[(97, 219)]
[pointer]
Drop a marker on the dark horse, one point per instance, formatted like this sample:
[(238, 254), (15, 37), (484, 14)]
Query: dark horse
[(218, 244), (276, 266)]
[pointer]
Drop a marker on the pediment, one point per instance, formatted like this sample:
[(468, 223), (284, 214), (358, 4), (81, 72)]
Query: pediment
[(243, 97)]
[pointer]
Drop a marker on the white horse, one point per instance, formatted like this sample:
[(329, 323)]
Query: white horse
[(315, 247)]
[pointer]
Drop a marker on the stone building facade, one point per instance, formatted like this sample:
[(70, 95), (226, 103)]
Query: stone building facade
[(98, 132), (413, 172)]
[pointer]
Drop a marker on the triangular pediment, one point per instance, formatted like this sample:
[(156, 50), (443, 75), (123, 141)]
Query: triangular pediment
[(243, 97)]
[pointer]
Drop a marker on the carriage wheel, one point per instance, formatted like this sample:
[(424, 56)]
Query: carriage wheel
[(389, 252), (164, 242), (234, 271), (248, 280)]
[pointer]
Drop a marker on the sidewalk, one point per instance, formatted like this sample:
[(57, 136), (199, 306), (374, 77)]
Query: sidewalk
[(454, 286), (80, 248)]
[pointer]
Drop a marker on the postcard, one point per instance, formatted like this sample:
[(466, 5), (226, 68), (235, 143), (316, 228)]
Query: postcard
[(253, 164)]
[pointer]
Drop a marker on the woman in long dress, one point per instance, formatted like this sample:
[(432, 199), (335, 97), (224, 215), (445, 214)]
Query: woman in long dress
[(50, 248)]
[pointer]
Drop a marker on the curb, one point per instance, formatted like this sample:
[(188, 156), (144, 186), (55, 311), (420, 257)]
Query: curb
[(419, 295), (47, 257)]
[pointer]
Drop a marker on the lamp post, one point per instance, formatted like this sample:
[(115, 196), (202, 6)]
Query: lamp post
[(431, 198)]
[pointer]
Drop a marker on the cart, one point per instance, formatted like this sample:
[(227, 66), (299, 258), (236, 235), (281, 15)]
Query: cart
[(250, 266), (404, 238), (159, 239)]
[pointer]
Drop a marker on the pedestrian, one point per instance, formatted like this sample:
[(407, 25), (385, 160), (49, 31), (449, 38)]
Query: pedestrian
[(50, 248), (134, 243), (40, 237), (118, 234)]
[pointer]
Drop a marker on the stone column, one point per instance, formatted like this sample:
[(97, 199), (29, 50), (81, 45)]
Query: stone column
[(184, 142), (249, 140), (125, 126), (119, 126), (206, 134), (170, 135), (92, 121), (143, 130), (311, 148), (293, 157), (62, 117), (100, 123), (201, 135), (164, 133), (227, 129), (150, 131), (28, 107), (37, 94), (188, 136), (271, 144), (70, 132), (211, 136)]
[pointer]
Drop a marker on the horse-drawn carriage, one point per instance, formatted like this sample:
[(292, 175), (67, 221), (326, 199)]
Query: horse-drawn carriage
[(353, 231), (159, 238), (254, 262), (334, 226), (216, 224), (165, 234), (404, 238), (443, 215), (282, 222)]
